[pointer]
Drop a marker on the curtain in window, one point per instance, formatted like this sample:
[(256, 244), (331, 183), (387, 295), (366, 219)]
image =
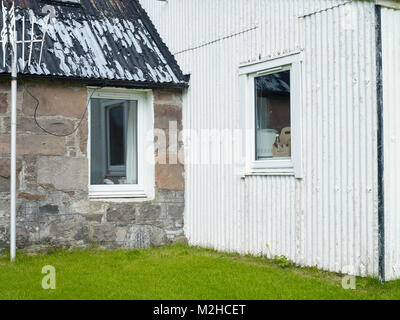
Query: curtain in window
[(131, 145)]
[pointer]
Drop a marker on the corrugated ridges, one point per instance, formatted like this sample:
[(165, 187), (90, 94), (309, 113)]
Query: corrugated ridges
[(328, 218), (391, 120)]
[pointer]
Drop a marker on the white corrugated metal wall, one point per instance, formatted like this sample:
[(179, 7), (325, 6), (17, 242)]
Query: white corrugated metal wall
[(329, 218), (391, 101)]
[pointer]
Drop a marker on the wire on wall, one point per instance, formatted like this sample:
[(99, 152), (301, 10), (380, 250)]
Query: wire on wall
[(57, 134)]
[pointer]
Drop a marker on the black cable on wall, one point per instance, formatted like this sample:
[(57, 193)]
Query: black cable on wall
[(52, 133)]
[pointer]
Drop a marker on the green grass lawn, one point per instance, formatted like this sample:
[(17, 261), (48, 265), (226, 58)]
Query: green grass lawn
[(176, 272)]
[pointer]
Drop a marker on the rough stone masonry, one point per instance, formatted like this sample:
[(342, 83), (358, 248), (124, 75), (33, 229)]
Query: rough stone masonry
[(53, 208)]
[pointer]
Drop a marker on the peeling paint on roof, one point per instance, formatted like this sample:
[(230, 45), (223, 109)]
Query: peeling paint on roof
[(110, 40)]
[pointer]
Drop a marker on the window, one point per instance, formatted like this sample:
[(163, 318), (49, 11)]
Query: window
[(113, 142), (272, 105), (271, 96), (117, 132)]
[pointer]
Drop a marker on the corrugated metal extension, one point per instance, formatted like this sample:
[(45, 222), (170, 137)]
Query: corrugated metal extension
[(98, 40), (329, 218), (391, 102)]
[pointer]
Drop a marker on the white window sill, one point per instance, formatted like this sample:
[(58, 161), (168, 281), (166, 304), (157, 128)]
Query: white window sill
[(270, 172), (120, 191), (116, 195), (272, 167), (272, 163), (120, 199)]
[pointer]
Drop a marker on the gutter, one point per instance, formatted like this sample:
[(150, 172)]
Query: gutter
[(381, 194), (104, 82)]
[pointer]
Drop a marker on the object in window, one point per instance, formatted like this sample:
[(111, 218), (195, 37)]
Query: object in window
[(282, 145)]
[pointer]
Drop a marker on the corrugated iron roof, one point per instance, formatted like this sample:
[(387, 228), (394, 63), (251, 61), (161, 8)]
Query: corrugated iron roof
[(99, 40)]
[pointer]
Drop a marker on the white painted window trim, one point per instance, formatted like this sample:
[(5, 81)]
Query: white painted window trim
[(145, 144), (247, 73)]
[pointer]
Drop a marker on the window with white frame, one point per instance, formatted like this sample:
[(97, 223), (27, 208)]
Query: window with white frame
[(271, 92), (119, 122)]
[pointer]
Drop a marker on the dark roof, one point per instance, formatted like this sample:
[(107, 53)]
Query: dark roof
[(99, 41)]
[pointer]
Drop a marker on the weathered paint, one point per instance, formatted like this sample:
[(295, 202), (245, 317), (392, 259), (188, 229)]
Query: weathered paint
[(391, 117), (95, 40), (330, 217)]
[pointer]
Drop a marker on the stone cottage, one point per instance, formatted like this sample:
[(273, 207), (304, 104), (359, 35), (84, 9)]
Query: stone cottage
[(98, 156)]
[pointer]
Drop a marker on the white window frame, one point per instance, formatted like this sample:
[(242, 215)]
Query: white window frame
[(247, 74), (145, 146)]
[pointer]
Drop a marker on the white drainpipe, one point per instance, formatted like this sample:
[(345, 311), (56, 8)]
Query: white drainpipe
[(13, 176)]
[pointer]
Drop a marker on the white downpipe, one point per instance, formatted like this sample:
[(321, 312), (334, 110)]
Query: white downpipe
[(13, 175), (9, 37)]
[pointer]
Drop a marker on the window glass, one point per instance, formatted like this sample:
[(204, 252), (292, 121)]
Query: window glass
[(116, 124), (272, 94), (113, 135)]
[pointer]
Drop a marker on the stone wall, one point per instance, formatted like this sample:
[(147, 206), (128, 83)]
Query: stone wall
[(53, 208)]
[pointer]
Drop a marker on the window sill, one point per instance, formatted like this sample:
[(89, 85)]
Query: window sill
[(120, 199), (270, 172), (116, 196), (112, 192), (275, 167)]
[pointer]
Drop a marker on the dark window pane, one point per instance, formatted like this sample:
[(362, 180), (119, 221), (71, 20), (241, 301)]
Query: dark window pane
[(273, 115), (117, 136)]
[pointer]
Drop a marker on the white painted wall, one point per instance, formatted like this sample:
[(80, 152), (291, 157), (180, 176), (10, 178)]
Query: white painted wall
[(391, 101), (328, 218)]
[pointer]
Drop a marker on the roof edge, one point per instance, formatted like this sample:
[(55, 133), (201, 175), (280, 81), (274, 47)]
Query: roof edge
[(102, 82), (148, 23), (391, 4)]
